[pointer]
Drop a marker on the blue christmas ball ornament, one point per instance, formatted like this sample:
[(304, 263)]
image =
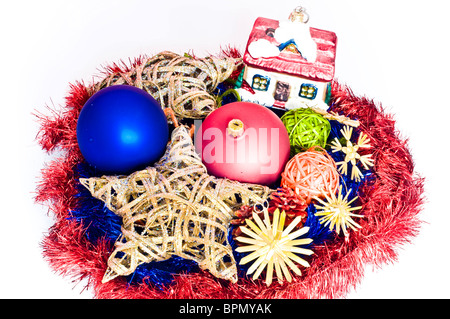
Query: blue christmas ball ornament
[(122, 129)]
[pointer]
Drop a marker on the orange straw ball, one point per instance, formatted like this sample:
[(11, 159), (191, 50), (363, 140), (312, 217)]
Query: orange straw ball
[(311, 173)]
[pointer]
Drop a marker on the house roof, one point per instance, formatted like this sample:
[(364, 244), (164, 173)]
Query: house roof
[(291, 63)]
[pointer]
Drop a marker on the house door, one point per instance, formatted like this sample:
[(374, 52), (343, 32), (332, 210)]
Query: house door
[(282, 91)]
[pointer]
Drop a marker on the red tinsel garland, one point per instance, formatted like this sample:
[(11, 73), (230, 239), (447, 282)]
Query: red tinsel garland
[(390, 208)]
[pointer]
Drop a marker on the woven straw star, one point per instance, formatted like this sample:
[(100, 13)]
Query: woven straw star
[(351, 153), (174, 208), (272, 245), (183, 83)]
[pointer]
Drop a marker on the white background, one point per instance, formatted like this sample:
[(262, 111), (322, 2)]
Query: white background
[(395, 52)]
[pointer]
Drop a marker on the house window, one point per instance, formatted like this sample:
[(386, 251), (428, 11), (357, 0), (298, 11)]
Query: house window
[(308, 91), (270, 32), (282, 91), (260, 83)]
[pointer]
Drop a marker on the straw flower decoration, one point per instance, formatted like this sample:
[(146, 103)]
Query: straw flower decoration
[(273, 246), (337, 212), (351, 153)]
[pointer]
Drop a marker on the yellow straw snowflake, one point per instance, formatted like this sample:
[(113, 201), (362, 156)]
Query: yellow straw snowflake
[(337, 212), (351, 153), (272, 245)]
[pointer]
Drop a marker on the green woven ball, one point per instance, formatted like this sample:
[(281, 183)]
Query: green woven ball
[(306, 128)]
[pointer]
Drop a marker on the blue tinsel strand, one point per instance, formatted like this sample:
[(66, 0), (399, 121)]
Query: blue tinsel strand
[(317, 232), (221, 89), (160, 274), (99, 221), (242, 269)]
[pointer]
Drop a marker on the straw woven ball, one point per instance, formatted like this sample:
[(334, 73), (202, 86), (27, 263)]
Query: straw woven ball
[(311, 173), (306, 128)]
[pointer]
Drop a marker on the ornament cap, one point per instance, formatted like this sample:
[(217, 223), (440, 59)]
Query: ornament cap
[(235, 128), (299, 15)]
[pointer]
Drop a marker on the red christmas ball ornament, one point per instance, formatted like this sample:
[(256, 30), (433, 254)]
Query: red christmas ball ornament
[(245, 142)]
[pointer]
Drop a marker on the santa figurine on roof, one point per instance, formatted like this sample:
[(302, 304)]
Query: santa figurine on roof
[(288, 64)]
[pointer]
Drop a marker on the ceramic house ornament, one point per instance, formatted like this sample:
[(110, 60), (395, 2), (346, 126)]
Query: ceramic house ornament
[(289, 64)]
